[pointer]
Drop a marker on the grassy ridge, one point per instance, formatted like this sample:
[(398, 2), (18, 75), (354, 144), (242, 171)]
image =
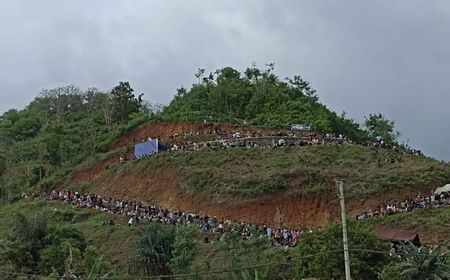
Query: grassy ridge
[(311, 169), (435, 220)]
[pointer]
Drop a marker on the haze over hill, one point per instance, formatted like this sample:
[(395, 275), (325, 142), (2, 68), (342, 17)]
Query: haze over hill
[(361, 56)]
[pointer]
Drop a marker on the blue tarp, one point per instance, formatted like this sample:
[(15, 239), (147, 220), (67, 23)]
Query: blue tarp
[(146, 148)]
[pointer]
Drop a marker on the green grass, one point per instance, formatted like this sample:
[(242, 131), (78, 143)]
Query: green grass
[(247, 173), (435, 221)]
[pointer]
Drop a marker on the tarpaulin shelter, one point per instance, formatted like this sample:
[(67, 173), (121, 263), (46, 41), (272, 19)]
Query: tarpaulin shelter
[(146, 148), (396, 235), (445, 188)]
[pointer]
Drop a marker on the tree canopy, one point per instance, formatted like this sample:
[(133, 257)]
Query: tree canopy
[(380, 128), (60, 128), (257, 97), (321, 253)]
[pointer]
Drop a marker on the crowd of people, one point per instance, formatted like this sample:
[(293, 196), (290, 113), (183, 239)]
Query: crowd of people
[(393, 207), (137, 212), (268, 141), (220, 140), (184, 142)]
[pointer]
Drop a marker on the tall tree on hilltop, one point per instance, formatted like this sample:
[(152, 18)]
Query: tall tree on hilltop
[(380, 128), (124, 102)]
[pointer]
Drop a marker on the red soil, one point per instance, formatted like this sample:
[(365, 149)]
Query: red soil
[(163, 131), (166, 189), (89, 173)]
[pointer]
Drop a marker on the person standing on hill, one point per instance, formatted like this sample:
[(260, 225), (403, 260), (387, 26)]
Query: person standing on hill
[(130, 222)]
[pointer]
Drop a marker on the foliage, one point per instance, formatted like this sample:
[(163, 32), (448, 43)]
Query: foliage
[(426, 263), (256, 274), (98, 268), (62, 243), (320, 254), (257, 97), (185, 248), (124, 103), (380, 128), (392, 271), (153, 250), (254, 251), (59, 129), (32, 246), (25, 242)]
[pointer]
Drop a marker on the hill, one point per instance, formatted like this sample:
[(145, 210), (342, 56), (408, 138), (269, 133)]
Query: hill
[(274, 185), (229, 153)]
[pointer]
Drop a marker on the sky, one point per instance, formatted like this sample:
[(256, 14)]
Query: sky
[(362, 57)]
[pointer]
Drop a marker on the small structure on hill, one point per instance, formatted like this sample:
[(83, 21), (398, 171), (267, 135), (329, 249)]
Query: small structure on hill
[(443, 189), (147, 148), (301, 127), (396, 235)]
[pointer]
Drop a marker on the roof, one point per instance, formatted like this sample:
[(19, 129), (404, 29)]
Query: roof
[(391, 234), (445, 188)]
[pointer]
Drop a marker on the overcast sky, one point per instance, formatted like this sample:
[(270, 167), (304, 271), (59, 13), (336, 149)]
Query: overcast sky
[(361, 56)]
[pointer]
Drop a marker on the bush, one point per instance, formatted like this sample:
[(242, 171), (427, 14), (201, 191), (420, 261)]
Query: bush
[(153, 250), (321, 253)]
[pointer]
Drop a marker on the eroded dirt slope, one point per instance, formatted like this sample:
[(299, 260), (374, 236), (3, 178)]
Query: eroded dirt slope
[(164, 130), (167, 187)]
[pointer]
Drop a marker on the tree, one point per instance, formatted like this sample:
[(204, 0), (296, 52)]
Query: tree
[(124, 102), (258, 97), (25, 242), (321, 253), (32, 246), (427, 263), (380, 128), (153, 250), (184, 249), (2, 163)]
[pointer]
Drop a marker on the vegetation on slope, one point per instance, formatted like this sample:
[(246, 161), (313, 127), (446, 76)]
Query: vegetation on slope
[(66, 127), (60, 129), (436, 221), (257, 97), (131, 251), (63, 231), (243, 172)]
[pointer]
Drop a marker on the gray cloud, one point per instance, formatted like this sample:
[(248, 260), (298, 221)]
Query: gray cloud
[(361, 56)]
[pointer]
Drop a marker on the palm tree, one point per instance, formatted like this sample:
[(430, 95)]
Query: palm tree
[(153, 250), (424, 263)]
